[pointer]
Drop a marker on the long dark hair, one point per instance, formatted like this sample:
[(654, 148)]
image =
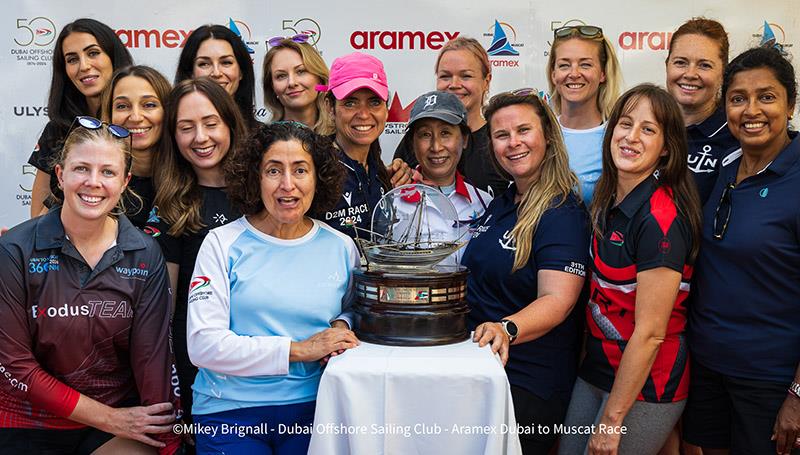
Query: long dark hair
[(673, 170), (178, 196), (246, 93), (65, 101)]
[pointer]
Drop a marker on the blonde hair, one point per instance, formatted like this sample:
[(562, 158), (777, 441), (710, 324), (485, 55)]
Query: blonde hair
[(556, 180), (81, 135), (609, 90), (472, 46), (315, 65)]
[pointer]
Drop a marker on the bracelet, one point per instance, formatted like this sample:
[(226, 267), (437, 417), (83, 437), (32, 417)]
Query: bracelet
[(794, 389)]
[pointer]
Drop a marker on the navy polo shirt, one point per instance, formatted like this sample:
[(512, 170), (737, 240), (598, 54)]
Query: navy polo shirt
[(361, 192), (710, 142), (546, 365), (744, 320)]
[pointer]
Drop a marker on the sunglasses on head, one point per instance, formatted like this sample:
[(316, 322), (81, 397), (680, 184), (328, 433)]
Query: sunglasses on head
[(530, 91), (587, 31), (91, 123), (300, 38)]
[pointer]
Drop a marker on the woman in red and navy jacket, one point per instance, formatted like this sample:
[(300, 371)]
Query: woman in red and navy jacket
[(633, 382)]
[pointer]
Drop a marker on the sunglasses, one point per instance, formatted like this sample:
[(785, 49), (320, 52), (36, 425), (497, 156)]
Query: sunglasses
[(722, 215), (300, 38), (530, 91), (91, 123), (587, 31)]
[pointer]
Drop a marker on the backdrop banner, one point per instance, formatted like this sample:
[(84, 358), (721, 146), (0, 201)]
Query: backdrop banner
[(405, 35)]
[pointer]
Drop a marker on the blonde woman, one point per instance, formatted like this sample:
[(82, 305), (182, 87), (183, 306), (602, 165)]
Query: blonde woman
[(585, 79), (527, 260), (292, 70)]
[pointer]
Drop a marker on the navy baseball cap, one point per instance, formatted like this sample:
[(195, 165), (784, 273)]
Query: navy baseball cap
[(439, 105)]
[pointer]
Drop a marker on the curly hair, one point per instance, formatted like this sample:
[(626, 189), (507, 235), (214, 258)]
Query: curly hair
[(244, 173)]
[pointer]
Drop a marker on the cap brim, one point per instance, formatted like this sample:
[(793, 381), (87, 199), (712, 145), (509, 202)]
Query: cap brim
[(343, 90), (447, 117)]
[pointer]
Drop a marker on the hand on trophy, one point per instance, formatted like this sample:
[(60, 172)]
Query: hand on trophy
[(493, 333)]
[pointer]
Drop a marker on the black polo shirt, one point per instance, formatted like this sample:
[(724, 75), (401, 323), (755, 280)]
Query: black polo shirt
[(361, 192), (745, 315), (643, 232), (546, 365), (66, 328), (710, 143)]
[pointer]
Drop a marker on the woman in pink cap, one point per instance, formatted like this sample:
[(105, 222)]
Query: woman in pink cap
[(357, 95)]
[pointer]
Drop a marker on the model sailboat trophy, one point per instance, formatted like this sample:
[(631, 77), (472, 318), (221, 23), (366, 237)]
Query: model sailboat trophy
[(412, 291)]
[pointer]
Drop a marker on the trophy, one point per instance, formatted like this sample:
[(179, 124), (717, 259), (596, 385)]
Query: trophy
[(412, 291)]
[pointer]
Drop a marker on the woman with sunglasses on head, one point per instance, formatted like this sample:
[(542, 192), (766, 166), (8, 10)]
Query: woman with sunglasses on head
[(85, 56), (84, 315), (438, 134), (698, 54), (292, 70), (216, 52), (201, 131), (258, 321), (633, 382), (463, 69), (527, 261), (744, 321), (357, 93), (585, 79), (135, 99)]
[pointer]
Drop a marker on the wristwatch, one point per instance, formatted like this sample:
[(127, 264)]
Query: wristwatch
[(510, 329), (794, 389)]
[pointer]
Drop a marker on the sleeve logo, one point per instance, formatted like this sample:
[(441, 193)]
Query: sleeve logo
[(199, 282)]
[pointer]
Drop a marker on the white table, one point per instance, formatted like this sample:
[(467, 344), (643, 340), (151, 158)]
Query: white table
[(415, 400)]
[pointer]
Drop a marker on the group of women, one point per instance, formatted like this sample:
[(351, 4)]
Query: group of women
[(248, 214)]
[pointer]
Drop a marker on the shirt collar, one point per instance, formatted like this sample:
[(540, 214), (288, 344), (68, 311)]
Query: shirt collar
[(461, 186), (780, 165), (50, 233), (636, 198), (715, 123)]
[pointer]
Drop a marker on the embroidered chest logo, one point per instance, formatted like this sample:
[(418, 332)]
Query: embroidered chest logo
[(482, 228), (151, 231), (153, 216), (702, 163), (508, 242), (616, 238), (764, 192), (43, 265), (220, 218), (348, 196)]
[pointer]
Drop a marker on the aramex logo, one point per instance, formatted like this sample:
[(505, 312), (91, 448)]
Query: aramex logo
[(637, 41), (153, 38), (398, 40)]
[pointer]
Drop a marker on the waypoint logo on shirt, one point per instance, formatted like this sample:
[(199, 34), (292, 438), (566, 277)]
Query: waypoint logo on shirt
[(392, 40), (136, 273), (643, 41)]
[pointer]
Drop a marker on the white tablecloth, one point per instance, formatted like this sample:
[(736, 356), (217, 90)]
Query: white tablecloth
[(452, 399)]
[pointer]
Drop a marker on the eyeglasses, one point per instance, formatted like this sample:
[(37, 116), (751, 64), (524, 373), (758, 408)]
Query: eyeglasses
[(300, 38), (587, 31), (91, 123), (723, 210)]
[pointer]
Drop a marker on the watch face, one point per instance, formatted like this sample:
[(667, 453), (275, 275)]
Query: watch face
[(511, 328)]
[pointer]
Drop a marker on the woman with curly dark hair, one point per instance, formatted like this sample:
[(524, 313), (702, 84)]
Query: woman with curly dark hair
[(255, 336)]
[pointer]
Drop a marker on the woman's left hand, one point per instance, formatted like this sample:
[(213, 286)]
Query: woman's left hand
[(786, 432), (400, 172), (605, 442), (493, 333)]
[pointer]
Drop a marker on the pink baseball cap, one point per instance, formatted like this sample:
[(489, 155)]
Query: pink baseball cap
[(356, 71)]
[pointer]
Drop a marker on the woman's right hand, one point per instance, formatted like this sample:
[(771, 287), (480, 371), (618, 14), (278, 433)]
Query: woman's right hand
[(139, 421), (322, 344)]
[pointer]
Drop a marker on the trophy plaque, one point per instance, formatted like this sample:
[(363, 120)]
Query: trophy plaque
[(403, 296)]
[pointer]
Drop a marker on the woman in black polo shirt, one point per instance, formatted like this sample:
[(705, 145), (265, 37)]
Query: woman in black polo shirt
[(698, 54), (744, 321), (646, 220), (527, 260)]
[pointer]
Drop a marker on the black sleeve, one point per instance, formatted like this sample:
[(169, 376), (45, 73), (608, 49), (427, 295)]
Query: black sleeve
[(662, 240), (405, 152), (45, 151)]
